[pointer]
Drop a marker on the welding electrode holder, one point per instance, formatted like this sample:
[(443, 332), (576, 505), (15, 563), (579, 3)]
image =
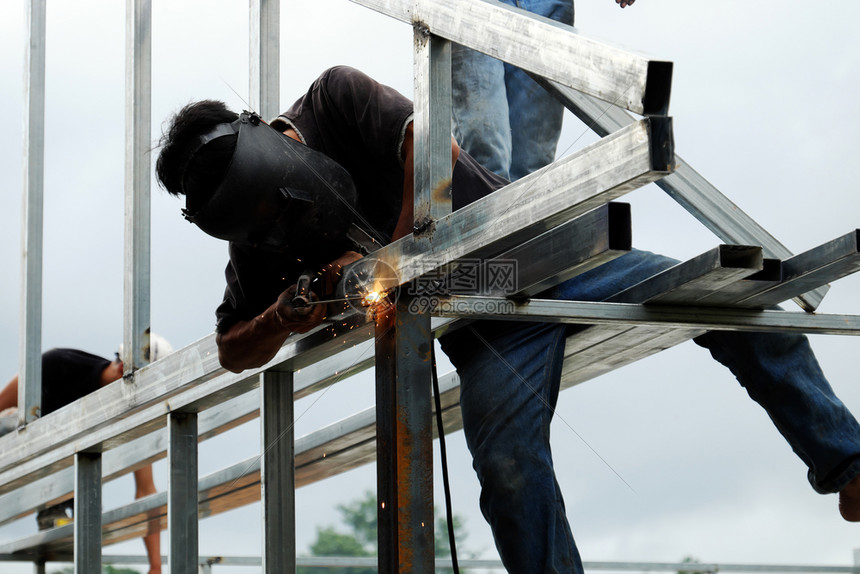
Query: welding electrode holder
[(303, 289)]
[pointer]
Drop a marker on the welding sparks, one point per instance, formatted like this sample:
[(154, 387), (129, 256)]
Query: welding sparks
[(372, 298)]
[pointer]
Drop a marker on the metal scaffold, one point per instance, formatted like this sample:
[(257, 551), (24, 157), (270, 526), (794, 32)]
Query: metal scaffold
[(568, 222)]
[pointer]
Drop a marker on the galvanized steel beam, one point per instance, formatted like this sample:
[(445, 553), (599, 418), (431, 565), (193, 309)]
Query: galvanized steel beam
[(568, 250), (432, 129), (88, 512), (540, 201), (663, 316), (823, 264), (542, 46), (264, 57), (691, 280), (138, 138), (277, 473), (30, 343), (182, 526)]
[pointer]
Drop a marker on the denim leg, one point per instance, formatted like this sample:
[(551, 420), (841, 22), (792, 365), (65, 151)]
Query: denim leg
[(535, 121), (480, 108), (535, 116), (508, 392), (778, 370), (780, 373), (510, 374)]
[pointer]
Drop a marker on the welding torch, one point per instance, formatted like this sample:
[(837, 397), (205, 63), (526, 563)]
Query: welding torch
[(302, 297)]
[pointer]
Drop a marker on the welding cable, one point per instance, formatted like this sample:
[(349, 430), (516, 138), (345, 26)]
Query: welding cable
[(443, 454)]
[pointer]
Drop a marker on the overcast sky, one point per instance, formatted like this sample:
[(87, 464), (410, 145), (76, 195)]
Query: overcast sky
[(765, 106)]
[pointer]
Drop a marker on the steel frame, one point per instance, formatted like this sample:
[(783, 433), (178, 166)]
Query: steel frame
[(533, 215)]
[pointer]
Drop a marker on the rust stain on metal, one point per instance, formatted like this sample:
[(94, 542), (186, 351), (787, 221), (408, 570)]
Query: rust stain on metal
[(442, 191), (404, 488)]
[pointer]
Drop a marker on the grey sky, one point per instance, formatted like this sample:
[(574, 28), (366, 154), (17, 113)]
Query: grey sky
[(765, 106)]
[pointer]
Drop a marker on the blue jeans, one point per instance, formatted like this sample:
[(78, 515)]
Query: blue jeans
[(505, 120), (510, 374)]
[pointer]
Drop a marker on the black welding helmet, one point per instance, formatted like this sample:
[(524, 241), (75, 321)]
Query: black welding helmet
[(277, 194)]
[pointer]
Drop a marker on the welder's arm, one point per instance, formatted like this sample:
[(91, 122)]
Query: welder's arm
[(407, 212), (253, 343)]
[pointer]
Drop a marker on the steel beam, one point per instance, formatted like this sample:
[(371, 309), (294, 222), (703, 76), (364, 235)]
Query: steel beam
[(663, 316), (686, 186), (536, 203), (432, 129), (404, 440), (138, 138), (30, 342), (691, 280), (277, 473), (182, 526), (769, 276), (598, 350), (542, 46), (264, 56), (572, 248), (823, 264), (88, 512)]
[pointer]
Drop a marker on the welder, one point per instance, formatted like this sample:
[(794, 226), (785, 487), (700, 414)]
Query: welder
[(285, 195)]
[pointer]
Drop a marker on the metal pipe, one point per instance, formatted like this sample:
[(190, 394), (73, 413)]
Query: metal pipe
[(138, 114), (277, 473), (88, 512), (182, 526), (30, 345), (264, 57)]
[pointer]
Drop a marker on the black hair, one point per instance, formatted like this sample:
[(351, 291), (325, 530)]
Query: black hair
[(202, 175)]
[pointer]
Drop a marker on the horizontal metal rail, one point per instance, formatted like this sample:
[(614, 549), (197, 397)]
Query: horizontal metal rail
[(637, 83), (443, 563), (589, 313)]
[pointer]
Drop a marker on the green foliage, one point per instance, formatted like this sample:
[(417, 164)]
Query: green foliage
[(691, 560), (359, 517)]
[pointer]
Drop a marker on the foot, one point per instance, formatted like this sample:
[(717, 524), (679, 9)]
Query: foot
[(849, 500)]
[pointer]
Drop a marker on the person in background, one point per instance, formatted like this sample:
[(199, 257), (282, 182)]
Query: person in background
[(67, 375)]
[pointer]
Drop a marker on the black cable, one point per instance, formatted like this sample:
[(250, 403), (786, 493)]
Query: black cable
[(449, 513)]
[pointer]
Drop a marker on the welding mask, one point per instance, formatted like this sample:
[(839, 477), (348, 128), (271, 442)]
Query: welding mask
[(277, 194)]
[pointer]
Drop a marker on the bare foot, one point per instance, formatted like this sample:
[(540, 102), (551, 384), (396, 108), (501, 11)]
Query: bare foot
[(849, 500)]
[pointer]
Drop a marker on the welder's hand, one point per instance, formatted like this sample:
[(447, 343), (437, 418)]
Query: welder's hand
[(297, 319)]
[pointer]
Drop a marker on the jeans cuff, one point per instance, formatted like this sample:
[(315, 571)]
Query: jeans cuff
[(838, 479)]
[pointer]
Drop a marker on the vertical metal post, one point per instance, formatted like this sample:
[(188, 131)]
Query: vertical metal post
[(182, 525), (138, 98), (432, 127), (277, 473), (265, 34), (404, 441), (30, 346), (39, 567), (88, 512)]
